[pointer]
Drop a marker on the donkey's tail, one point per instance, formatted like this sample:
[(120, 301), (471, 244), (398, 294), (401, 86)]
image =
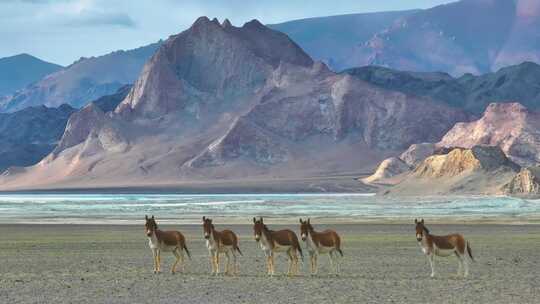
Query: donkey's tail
[(469, 251), (340, 252), (187, 251), (238, 249)]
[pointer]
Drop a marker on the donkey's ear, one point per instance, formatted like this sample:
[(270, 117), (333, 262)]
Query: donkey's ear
[(152, 216), (204, 218), (301, 221), (308, 220), (416, 221), (146, 217), (261, 219), (422, 221), (254, 220)]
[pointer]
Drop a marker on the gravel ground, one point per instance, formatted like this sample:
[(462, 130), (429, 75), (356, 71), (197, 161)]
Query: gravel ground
[(382, 264)]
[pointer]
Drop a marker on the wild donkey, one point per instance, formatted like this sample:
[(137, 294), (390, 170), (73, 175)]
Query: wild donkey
[(160, 241), (443, 246), (218, 242), (277, 241), (327, 241)]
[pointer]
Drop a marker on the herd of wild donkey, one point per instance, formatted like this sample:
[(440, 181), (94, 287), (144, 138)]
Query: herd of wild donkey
[(271, 242)]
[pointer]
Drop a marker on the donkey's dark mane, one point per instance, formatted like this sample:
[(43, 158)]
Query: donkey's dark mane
[(267, 229), (425, 229)]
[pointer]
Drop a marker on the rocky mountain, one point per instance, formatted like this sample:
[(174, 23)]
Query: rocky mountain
[(224, 103), (416, 153), (510, 126), (468, 36), (16, 72), (525, 183), (478, 170), (28, 135), (458, 38), (82, 81), (333, 40), (473, 93), (108, 103)]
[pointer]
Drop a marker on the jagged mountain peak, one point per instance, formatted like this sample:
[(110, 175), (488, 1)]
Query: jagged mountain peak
[(208, 65)]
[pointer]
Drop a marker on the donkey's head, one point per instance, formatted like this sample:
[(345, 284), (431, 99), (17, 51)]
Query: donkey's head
[(258, 227), (305, 229), (150, 225), (421, 230), (208, 227)]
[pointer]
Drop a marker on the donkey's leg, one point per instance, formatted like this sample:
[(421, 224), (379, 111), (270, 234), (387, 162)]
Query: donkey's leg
[(212, 264), (158, 258), (177, 256), (268, 265), (154, 255), (466, 264), (228, 265), (332, 262), (296, 266), (235, 263), (336, 261), (316, 262), (182, 261), (290, 255), (311, 260), (460, 263), (432, 264), (217, 262), (272, 266)]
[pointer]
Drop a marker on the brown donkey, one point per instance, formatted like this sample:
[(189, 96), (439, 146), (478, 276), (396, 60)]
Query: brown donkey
[(160, 241), (272, 242), (327, 241), (218, 242), (443, 246)]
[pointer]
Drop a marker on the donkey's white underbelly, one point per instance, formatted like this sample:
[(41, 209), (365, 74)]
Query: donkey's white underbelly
[(324, 249), (281, 248), (443, 252), (167, 248)]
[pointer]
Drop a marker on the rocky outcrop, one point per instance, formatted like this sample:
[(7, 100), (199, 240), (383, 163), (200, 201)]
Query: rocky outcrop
[(388, 168), (459, 161), (108, 103), (508, 125), (478, 170), (83, 81), (525, 183), (416, 153)]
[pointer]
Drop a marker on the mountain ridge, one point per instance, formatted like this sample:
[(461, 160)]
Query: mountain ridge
[(18, 71), (258, 114)]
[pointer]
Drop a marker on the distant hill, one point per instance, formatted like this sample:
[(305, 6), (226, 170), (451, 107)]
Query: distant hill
[(473, 93), (83, 81), (333, 39), (28, 135), (468, 36), (16, 72)]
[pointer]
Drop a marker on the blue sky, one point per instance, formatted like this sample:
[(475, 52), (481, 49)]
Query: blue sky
[(61, 31)]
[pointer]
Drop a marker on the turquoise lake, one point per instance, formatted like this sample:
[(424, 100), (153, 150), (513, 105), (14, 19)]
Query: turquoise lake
[(130, 208)]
